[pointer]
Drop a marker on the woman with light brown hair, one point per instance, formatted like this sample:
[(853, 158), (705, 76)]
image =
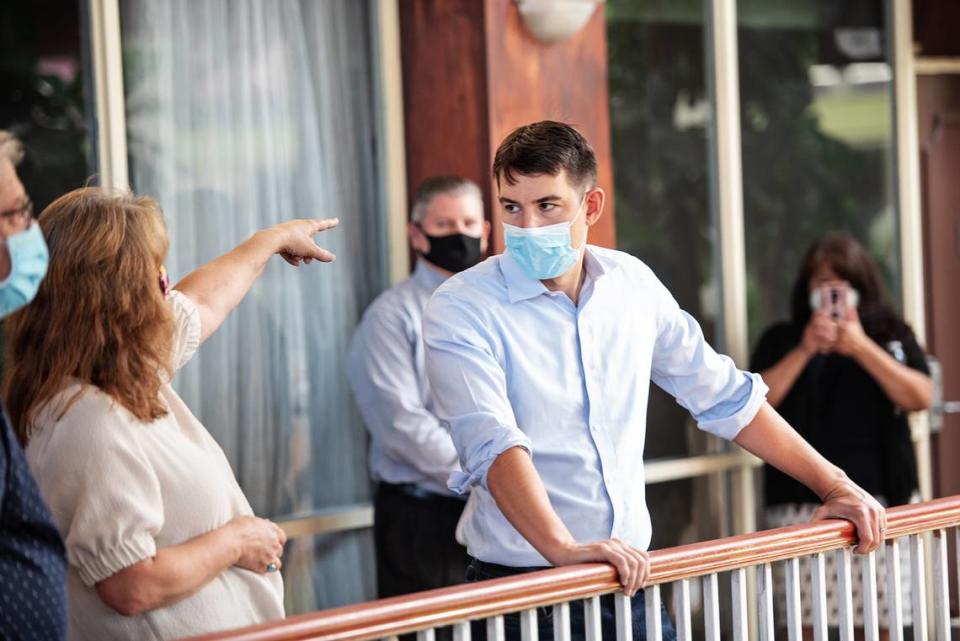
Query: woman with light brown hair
[(160, 539)]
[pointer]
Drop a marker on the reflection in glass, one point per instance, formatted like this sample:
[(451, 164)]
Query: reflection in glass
[(817, 134), (659, 113), (42, 72)]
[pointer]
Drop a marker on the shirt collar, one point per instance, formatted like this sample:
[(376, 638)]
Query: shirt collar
[(520, 286), (597, 264), (426, 276)]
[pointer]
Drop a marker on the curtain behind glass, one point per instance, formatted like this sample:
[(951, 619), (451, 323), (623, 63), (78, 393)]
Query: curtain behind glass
[(242, 114)]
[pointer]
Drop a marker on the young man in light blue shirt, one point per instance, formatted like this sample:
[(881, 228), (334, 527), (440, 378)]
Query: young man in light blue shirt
[(411, 454), (541, 361)]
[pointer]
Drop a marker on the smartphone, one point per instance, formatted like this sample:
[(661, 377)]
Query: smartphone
[(834, 299)]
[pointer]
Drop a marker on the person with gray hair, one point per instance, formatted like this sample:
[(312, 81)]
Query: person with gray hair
[(33, 565), (411, 454)]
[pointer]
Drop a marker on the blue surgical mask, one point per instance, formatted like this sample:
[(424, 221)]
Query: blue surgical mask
[(543, 252), (28, 266)]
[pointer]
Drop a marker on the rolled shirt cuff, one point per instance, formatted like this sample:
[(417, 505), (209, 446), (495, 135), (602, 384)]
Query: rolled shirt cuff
[(727, 419), (479, 465)]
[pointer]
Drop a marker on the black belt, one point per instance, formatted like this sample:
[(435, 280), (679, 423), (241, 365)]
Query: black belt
[(413, 491), (496, 570)]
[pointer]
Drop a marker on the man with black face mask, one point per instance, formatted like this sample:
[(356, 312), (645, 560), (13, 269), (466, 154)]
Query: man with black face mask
[(411, 454)]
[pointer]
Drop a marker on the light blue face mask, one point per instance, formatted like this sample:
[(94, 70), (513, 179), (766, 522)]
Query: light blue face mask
[(28, 266), (543, 252)]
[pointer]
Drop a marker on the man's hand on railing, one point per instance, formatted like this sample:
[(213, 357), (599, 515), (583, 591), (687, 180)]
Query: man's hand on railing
[(633, 565), (846, 500), (521, 496)]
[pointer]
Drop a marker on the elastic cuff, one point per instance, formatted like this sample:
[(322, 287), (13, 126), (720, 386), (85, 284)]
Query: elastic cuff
[(729, 427), (94, 568)]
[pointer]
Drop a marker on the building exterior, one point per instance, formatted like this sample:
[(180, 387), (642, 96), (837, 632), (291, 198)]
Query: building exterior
[(730, 136)]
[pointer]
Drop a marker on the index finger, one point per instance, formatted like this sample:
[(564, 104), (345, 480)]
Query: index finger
[(323, 224)]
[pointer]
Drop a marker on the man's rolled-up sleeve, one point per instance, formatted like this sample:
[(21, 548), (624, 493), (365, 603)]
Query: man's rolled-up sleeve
[(722, 398), (469, 385)]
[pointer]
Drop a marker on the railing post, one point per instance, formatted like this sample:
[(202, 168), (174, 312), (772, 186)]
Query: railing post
[(711, 607), (871, 597), (495, 629), (818, 580), (624, 611), (651, 599), (941, 586), (845, 594), (461, 631), (794, 607), (528, 625), (765, 601), (891, 560), (561, 622), (918, 588), (681, 607), (738, 597), (592, 619)]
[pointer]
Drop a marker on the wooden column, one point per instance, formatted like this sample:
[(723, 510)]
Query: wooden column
[(472, 73)]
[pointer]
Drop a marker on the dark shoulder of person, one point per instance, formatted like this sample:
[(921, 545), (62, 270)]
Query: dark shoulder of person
[(774, 344), (33, 566)]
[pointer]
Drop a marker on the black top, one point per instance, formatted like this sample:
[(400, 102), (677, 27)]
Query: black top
[(845, 414), (33, 565)]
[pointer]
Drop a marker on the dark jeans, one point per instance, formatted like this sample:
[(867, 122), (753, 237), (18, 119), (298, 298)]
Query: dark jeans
[(480, 571), (414, 535)]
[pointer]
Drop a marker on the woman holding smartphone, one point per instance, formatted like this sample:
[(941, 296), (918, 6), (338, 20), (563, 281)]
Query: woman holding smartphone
[(844, 371)]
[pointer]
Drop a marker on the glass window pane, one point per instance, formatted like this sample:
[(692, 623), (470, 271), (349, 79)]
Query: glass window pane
[(817, 134), (660, 120), (241, 115), (308, 562), (44, 101)]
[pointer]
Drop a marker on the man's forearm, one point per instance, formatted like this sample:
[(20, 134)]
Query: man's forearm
[(521, 496), (771, 438)]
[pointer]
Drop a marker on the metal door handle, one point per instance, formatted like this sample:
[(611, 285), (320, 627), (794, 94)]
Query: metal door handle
[(951, 407)]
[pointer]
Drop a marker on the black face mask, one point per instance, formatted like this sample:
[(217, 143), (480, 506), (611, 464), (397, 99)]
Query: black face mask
[(453, 253)]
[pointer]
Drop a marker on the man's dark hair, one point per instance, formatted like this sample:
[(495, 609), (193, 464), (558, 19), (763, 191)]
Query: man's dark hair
[(546, 147)]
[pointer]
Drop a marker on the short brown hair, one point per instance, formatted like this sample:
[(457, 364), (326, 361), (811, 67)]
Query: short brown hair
[(546, 147), (10, 147), (436, 185), (99, 315)]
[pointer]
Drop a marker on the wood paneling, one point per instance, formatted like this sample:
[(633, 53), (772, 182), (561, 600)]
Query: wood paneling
[(444, 90), (472, 73), (567, 81), (938, 108)]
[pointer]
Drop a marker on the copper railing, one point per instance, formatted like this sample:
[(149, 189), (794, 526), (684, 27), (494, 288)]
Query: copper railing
[(435, 608)]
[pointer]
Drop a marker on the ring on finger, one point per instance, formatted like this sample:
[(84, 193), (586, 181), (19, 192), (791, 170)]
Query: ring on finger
[(272, 566)]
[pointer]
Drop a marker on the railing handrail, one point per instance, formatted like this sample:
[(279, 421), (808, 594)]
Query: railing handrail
[(434, 608)]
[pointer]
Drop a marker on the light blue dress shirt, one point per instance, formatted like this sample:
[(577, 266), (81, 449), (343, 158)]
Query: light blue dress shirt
[(514, 364), (385, 367)]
